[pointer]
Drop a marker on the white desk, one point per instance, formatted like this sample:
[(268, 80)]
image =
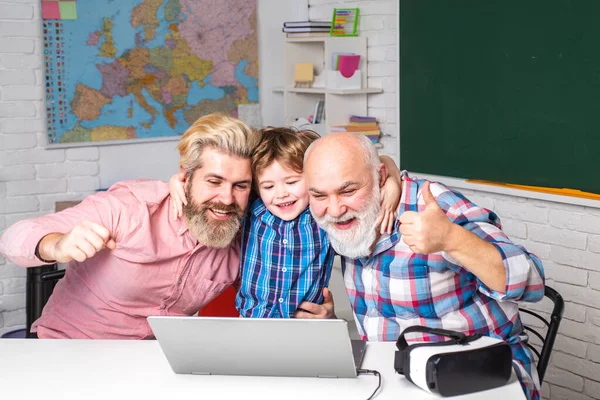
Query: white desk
[(99, 369)]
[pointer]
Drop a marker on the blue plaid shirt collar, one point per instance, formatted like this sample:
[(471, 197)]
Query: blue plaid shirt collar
[(259, 210)]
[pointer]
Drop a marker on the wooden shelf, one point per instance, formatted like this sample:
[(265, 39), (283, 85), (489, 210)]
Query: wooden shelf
[(306, 90), (340, 104), (307, 39), (355, 91), (332, 91)]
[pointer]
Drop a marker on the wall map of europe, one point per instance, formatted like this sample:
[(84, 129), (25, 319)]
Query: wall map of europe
[(146, 69)]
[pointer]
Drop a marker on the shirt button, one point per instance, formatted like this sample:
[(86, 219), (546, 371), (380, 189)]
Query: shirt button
[(284, 269), (280, 300), (373, 312), (179, 282), (163, 307), (284, 241)]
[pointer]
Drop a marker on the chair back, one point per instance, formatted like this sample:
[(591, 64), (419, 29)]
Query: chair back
[(552, 330), (40, 284)]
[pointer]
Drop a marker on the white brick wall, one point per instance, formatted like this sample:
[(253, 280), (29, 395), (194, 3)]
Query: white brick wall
[(31, 177), (565, 237)]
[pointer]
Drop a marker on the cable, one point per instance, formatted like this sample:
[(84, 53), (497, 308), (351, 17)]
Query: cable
[(372, 372)]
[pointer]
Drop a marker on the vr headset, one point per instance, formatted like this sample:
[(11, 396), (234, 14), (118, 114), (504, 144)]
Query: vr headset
[(464, 364)]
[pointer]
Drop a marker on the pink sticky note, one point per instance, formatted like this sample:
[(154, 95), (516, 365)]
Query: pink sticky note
[(348, 64), (50, 10)]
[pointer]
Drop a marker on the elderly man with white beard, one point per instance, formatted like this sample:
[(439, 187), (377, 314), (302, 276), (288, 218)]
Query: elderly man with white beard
[(447, 263), (128, 257)]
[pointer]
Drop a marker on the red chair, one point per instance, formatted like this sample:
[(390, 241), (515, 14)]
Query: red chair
[(221, 306)]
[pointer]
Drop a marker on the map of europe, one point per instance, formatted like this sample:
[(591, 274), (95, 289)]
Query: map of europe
[(146, 69)]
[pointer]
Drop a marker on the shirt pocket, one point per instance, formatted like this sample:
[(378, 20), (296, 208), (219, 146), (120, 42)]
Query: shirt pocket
[(409, 291), (201, 292)]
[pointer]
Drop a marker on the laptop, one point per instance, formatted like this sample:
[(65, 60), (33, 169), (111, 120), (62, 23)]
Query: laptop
[(258, 346)]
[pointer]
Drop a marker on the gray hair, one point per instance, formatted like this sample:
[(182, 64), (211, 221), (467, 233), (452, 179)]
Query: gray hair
[(369, 151), (366, 147)]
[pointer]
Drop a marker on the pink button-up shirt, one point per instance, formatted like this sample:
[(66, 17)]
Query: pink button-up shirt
[(157, 268)]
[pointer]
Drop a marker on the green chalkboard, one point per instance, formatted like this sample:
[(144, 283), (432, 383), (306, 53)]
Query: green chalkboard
[(507, 91)]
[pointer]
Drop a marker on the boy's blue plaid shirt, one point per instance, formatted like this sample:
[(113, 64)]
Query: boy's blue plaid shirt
[(283, 263)]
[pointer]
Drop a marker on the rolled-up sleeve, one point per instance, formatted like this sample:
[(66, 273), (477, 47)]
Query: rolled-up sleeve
[(524, 271), (524, 275), (19, 241)]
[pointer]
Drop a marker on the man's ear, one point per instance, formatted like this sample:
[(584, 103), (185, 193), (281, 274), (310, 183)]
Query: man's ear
[(183, 176), (383, 174)]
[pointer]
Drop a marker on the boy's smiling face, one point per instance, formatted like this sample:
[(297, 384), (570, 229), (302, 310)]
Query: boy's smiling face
[(283, 191)]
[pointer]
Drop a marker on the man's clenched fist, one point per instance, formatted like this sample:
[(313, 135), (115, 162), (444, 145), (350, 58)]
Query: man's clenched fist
[(81, 243)]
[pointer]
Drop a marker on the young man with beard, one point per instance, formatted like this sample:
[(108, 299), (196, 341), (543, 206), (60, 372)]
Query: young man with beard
[(447, 263), (128, 258)]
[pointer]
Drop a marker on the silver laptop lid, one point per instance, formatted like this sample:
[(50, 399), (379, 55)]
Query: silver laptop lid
[(256, 346)]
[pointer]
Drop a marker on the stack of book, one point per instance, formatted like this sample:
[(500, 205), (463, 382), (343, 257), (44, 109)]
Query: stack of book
[(307, 28), (365, 125)]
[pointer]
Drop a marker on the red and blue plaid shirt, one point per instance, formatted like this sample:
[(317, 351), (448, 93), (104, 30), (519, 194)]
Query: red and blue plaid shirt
[(395, 288)]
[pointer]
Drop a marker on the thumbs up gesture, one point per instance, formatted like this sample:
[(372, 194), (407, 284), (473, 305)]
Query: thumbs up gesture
[(426, 231)]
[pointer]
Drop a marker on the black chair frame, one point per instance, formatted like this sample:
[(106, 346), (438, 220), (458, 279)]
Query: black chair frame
[(39, 287), (548, 341)]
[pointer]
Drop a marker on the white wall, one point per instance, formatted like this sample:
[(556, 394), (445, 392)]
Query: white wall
[(567, 239), (565, 236), (31, 178)]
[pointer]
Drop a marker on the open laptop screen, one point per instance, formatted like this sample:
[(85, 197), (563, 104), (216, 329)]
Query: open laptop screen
[(257, 346)]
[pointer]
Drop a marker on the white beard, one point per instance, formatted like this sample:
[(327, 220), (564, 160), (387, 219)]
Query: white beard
[(357, 241)]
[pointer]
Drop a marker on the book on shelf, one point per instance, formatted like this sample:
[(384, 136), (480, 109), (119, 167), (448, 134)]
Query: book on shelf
[(354, 128), (366, 126), (344, 128), (363, 125), (309, 24), (307, 29), (319, 112), (307, 34), (358, 118)]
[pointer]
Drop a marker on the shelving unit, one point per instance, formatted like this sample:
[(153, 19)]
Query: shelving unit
[(339, 103)]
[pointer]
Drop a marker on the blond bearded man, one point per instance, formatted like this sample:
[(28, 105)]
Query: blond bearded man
[(128, 258)]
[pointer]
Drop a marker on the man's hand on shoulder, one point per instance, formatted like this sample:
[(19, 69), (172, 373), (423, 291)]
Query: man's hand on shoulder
[(310, 310), (81, 243)]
